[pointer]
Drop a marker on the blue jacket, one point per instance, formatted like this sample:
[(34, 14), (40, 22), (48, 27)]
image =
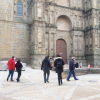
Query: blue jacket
[(71, 65)]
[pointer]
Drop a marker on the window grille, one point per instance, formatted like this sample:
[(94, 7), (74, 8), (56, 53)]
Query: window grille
[(19, 9)]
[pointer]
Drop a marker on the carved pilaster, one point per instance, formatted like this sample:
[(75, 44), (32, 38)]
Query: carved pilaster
[(49, 43)]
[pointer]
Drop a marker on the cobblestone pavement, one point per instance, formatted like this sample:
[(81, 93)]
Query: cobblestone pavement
[(32, 87)]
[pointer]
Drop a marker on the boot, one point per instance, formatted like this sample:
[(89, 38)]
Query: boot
[(7, 78)]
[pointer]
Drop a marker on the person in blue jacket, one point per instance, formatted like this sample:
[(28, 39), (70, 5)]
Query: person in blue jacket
[(71, 68)]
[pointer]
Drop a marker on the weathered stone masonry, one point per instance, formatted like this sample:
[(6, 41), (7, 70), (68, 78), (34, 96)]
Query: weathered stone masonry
[(33, 36)]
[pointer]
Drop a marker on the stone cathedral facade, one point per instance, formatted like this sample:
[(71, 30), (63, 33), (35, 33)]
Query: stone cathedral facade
[(32, 29)]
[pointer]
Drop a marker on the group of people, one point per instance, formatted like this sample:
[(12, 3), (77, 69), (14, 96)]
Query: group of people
[(58, 63), (46, 66), (11, 66)]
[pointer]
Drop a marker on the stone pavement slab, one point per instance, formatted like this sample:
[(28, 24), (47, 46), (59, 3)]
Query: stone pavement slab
[(32, 87)]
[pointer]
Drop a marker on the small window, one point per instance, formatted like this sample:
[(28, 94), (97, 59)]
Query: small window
[(19, 9)]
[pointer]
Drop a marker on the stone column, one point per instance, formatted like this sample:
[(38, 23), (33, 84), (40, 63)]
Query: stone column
[(54, 44), (83, 46), (78, 47), (73, 43), (49, 43)]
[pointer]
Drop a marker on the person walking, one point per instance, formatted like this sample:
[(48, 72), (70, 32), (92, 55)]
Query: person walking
[(71, 68), (18, 66), (76, 65), (11, 67), (59, 68), (46, 68)]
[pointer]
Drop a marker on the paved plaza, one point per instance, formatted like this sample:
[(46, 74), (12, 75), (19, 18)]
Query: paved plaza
[(32, 87)]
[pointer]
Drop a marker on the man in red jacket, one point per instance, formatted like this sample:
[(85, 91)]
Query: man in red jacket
[(11, 67)]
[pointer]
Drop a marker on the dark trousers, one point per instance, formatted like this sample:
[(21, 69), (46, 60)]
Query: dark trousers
[(59, 78), (11, 72), (46, 79), (19, 74), (70, 73)]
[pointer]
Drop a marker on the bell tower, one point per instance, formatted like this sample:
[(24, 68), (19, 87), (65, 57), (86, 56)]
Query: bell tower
[(91, 32)]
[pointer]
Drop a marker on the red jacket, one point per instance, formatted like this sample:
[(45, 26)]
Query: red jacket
[(90, 66), (11, 64)]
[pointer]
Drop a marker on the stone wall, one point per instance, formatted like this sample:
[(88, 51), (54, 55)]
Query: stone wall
[(34, 34), (14, 40), (15, 31)]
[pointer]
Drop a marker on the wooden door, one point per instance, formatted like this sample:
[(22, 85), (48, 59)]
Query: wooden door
[(61, 49)]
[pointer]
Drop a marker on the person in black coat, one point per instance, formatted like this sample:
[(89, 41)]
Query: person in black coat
[(59, 68), (71, 68), (18, 69), (46, 65), (76, 65)]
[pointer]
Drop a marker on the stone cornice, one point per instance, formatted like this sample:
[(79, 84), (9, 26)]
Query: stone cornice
[(54, 4), (77, 29), (15, 22), (51, 26), (89, 10), (34, 20), (91, 28)]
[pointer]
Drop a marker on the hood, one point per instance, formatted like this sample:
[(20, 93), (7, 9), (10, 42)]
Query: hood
[(18, 61), (57, 58), (46, 59)]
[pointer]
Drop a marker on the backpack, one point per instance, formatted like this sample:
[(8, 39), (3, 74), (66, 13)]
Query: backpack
[(59, 63)]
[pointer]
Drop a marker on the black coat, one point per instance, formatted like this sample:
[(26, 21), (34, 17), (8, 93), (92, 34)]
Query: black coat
[(59, 69), (76, 65), (18, 66), (71, 65), (46, 65)]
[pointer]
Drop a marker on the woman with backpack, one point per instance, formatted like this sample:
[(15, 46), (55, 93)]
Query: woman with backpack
[(59, 68)]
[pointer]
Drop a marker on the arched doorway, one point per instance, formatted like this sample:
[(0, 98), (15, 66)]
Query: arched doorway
[(61, 49)]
